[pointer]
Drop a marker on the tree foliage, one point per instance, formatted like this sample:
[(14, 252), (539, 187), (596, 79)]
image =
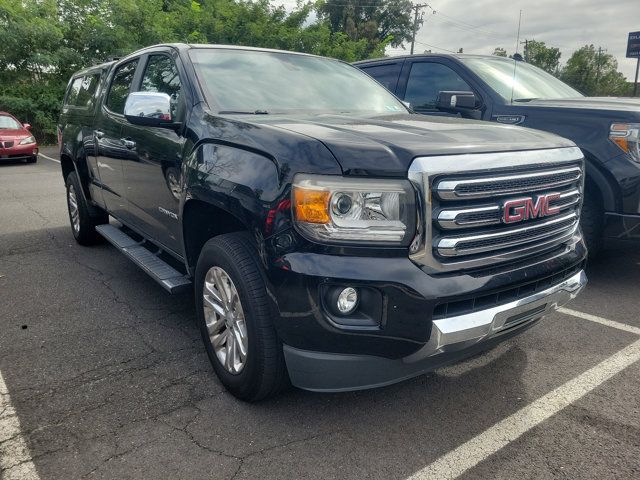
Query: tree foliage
[(594, 73), (42, 42), (546, 58)]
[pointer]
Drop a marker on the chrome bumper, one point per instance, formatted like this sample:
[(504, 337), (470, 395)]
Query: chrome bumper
[(458, 332), (451, 339)]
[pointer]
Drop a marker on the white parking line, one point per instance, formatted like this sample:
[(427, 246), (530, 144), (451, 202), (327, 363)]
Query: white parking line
[(479, 448), (600, 320), (15, 458), (49, 158)]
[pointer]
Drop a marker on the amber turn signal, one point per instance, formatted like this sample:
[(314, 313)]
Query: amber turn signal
[(619, 134), (311, 206)]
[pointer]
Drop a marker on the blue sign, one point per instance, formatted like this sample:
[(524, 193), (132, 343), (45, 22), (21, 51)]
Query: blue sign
[(633, 47)]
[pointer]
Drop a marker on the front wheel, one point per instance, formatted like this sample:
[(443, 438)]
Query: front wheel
[(592, 223), (235, 318), (83, 223), (32, 159)]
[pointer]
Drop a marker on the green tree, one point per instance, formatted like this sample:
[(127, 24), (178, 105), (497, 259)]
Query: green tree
[(594, 73), (499, 52), (378, 22), (546, 58)]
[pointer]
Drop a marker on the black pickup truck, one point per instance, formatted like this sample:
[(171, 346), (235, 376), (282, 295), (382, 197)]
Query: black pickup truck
[(333, 239), (516, 93)]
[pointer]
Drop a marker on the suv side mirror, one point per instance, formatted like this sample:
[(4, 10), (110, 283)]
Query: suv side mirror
[(456, 102), (149, 109), (27, 126)]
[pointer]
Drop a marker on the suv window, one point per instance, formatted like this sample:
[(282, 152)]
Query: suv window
[(426, 80), (387, 74), (87, 91), (161, 75), (74, 90), (120, 86)]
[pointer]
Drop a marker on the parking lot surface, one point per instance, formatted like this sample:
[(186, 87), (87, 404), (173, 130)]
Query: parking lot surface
[(103, 375)]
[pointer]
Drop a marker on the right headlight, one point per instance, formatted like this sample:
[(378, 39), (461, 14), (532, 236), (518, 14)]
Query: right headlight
[(332, 209), (627, 137)]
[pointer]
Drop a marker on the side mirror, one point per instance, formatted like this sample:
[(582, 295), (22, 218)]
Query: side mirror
[(149, 109), (456, 102), (27, 126)]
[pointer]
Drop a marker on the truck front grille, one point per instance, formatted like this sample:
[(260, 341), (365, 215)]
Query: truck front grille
[(465, 225)]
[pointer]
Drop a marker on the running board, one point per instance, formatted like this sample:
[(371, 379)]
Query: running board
[(168, 277)]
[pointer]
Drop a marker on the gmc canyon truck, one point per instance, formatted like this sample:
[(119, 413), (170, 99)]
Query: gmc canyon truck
[(513, 92), (333, 239)]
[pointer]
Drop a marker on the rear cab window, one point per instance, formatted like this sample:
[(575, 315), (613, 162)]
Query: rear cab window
[(387, 74), (82, 90)]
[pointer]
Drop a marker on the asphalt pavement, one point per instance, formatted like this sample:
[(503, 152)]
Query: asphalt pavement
[(103, 375)]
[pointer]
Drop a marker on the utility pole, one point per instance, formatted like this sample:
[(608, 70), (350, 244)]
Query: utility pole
[(526, 50), (415, 9)]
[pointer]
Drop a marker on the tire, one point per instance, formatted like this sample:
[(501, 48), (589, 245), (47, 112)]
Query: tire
[(262, 373), (32, 159), (592, 223), (83, 221)]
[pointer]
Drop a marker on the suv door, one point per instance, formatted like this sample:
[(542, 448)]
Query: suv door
[(152, 171), (425, 80), (110, 148)]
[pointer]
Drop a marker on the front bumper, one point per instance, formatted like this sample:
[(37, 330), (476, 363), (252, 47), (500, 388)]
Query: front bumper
[(452, 338), (18, 152)]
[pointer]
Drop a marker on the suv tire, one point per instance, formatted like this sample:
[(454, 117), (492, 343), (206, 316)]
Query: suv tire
[(83, 222), (228, 267)]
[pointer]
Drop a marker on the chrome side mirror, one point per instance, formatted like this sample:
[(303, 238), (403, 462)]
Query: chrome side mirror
[(151, 109)]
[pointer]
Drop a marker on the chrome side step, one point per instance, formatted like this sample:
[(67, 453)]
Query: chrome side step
[(168, 277)]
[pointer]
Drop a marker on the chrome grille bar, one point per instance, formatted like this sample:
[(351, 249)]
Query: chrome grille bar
[(485, 187), (469, 217), (512, 237)]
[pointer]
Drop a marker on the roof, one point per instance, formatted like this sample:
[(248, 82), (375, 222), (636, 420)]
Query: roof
[(427, 55), (188, 46)]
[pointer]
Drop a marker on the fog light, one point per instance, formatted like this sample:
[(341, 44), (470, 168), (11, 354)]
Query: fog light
[(347, 300)]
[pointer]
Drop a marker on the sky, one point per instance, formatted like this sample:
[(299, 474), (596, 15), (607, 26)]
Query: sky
[(478, 26)]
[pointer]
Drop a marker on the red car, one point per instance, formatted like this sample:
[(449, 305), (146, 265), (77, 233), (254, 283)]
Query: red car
[(16, 141)]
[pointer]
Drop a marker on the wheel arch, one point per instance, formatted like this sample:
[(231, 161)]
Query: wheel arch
[(202, 221), (600, 181)]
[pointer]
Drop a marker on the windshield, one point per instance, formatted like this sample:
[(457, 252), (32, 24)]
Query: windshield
[(8, 123), (530, 82), (245, 81)]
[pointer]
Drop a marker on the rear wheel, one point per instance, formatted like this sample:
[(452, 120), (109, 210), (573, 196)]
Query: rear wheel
[(83, 221), (235, 318)]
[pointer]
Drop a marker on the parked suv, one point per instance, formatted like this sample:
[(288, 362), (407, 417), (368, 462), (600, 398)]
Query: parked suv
[(516, 93), (333, 239)]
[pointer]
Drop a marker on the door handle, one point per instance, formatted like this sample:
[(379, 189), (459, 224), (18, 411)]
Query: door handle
[(99, 133), (128, 143)]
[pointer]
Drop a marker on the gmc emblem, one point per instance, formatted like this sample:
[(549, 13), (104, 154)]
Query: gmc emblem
[(526, 209)]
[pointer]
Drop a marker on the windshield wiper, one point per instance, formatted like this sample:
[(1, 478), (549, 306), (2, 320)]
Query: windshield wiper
[(525, 99), (243, 112)]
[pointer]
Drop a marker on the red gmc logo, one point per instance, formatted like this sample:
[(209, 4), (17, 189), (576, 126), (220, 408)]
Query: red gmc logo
[(526, 209)]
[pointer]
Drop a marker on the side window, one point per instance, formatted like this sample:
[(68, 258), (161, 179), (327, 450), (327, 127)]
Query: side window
[(426, 80), (161, 75), (74, 90), (386, 74), (120, 86), (87, 91)]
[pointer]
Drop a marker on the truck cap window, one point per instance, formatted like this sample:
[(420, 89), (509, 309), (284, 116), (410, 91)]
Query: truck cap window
[(257, 81), (530, 82), (120, 86)]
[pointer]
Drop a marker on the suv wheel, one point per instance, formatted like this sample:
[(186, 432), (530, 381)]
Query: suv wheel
[(83, 223), (592, 223), (235, 318)]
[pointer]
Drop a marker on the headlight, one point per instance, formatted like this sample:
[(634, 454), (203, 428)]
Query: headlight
[(627, 137), (28, 140), (335, 209)]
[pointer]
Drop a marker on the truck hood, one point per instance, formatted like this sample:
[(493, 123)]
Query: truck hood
[(591, 103), (386, 145)]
